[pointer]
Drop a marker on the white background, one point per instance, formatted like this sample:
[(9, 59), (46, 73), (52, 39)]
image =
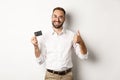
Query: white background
[(97, 20)]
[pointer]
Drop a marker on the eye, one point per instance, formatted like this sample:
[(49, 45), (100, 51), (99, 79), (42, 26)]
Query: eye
[(54, 16), (60, 17)]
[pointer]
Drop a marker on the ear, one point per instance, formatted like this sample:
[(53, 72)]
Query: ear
[(64, 18)]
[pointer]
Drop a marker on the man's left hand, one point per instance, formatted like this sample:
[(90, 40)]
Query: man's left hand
[(77, 38)]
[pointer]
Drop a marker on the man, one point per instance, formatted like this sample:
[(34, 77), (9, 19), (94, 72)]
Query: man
[(58, 43)]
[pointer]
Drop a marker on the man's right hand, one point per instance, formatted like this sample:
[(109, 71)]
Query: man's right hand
[(34, 41)]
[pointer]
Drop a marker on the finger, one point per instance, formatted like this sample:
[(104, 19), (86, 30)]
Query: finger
[(78, 33), (35, 38)]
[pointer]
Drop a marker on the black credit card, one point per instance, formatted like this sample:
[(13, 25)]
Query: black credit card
[(38, 33)]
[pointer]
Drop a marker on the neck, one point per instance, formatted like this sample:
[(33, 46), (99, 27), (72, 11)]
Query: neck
[(58, 30)]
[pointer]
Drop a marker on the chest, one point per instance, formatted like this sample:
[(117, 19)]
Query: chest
[(58, 43)]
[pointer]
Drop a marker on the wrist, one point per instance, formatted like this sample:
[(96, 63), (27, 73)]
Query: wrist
[(35, 46), (80, 42)]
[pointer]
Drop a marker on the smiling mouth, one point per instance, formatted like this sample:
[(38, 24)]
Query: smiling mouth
[(57, 22)]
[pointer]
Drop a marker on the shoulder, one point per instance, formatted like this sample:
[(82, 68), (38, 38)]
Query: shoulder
[(70, 32), (47, 31)]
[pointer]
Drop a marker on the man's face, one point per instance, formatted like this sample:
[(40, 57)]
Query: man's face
[(58, 19)]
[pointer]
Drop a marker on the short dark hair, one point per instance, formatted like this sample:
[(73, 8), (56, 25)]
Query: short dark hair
[(59, 8)]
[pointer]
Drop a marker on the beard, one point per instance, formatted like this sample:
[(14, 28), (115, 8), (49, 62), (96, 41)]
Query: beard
[(57, 24)]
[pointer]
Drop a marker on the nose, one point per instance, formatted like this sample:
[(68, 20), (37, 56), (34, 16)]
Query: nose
[(57, 18)]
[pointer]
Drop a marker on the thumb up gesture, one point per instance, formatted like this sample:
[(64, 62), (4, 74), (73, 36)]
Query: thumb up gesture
[(77, 38)]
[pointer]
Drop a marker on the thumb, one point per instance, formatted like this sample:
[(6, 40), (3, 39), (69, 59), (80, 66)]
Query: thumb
[(78, 33)]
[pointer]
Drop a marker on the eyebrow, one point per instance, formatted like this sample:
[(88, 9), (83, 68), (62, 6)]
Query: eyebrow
[(59, 16)]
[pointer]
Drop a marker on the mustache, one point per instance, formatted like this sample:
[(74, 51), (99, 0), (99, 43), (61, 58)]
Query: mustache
[(57, 21), (57, 26)]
